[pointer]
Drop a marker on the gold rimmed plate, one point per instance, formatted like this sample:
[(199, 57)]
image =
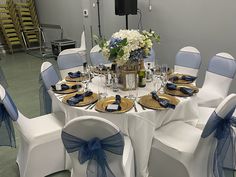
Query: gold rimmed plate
[(177, 92), (77, 79), (148, 102), (179, 81), (87, 100), (126, 105), (70, 90)]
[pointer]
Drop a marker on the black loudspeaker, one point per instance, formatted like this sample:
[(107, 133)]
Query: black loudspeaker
[(126, 7)]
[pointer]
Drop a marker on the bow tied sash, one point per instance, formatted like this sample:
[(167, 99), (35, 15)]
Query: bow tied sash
[(93, 151), (225, 152), (7, 133)]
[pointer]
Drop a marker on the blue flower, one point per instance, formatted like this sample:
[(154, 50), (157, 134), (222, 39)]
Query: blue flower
[(114, 42)]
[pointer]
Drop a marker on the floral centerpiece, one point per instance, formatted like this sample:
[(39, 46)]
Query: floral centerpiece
[(128, 45)]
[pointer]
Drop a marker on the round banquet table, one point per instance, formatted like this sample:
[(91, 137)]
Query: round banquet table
[(139, 126)]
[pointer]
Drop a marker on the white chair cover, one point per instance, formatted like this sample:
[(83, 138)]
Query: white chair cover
[(89, 127), (48, 77), (187, 61), (3, 80), (96, 56), (182, 150), (41, 151), (219, 76), (71, 60)]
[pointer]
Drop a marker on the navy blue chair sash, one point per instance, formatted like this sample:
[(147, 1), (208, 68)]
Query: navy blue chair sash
[(94, 152), (224, 155)]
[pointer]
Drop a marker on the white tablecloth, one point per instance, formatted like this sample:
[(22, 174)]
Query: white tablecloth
[(139, 126)]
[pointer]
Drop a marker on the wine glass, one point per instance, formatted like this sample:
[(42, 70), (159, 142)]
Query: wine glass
[(130, 83), (164, 78)]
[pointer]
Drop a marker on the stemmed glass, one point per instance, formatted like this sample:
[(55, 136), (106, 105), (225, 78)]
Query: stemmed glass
[(163, 77), (102, 81), (87, 78), (130, 83)]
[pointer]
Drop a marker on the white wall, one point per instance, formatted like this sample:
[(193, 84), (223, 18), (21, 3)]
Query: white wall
[(207, 25), (67, 13)]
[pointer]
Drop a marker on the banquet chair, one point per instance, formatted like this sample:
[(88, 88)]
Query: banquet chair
[(71, 60), (96, 56), (41, 150), (48, 77), (88, 133), (187, 61), (219, 76), (151, 58), (3, 80), (182, 150)]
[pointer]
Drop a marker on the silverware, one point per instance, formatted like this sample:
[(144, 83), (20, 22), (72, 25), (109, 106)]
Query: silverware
[(142, 106), (135, 108), (89, 106), (93, 105)]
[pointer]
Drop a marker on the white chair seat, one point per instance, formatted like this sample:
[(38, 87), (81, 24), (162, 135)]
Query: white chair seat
[(204, 114), (173, 136), (208, 98), (47, 126), (71, 51), (41, 151)]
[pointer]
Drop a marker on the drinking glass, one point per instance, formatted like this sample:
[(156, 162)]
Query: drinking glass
[(130, 83)]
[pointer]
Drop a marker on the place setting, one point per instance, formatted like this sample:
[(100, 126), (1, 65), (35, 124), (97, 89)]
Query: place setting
[(77, 76), (181, 90), (182, 78), (66, 87), (158, 101)]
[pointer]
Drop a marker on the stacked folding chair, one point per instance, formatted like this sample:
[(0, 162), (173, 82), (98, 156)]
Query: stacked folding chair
[(9, 29), (29, 22)]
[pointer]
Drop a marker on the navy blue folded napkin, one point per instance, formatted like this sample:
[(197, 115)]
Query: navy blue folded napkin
[(75, 75), (171, 86), (78, 98), (184, 77), (185, 90), (163, 102), (65, 87), (188, 78), (114, 106)]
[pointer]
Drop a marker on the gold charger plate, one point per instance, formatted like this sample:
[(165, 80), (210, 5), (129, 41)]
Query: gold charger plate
[(87, 100), (179, 81), (126, 105), (177, 92), (68, 91), (78, 79), (148, 102)]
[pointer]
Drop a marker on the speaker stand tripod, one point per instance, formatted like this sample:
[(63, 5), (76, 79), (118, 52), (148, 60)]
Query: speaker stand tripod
[(127, 21)]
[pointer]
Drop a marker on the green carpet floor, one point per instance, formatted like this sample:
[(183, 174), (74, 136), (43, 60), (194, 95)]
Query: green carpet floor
[(22, 73)]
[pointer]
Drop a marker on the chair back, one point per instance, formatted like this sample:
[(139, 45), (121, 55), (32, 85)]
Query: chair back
[(220, 73), (49, 75), (223, 64), (188, 61), (96, 56), (152, 56), (8, 113), (3, 80), (70, 62), (215, 147), (87, 128)]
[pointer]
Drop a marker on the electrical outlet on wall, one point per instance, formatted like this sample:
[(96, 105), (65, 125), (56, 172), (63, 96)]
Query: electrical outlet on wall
[(85, 12)]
